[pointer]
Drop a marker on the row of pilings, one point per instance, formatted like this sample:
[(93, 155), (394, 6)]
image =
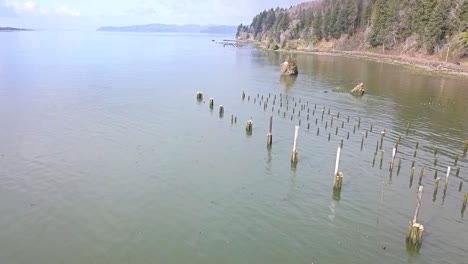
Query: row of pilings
[(344, 126)]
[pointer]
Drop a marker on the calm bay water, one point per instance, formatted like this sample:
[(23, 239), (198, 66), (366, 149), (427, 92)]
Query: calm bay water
[(106, 157)]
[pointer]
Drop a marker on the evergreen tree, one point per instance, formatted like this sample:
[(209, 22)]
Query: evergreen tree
[(317, 26), (270, 19), (327, 24), (438, 24), (341, 20)]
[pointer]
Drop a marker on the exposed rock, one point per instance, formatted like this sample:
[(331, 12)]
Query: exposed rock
[(289, 67), (358, 90)]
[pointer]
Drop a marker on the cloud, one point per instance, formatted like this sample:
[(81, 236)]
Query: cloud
[(6, 11), (144, 8), (31, 8), (65, 11)]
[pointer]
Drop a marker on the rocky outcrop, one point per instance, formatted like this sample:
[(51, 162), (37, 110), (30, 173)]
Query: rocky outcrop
[(358, 90), (289, 67)]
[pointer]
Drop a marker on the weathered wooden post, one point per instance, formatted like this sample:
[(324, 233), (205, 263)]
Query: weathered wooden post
[(415, 230), (362, 140), (407, 128), (381, 158), (393, 159), (399, 166), (421, 174), (331, 122), (294, 150), (243, 95), (382, 135), (359, 123), (329, 136), (221, 110), (458, 171), (373, 161), (199, 96), (456, 160), (341, 144), (465, 149), (270, 135), (211, 103), (249, 127), (338, 176), (446, 179)]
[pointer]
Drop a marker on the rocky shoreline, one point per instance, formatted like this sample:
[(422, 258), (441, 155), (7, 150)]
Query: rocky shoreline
[(424, 65)]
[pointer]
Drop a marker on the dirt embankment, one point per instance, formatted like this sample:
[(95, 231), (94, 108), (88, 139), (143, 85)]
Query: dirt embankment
[(397, 55)]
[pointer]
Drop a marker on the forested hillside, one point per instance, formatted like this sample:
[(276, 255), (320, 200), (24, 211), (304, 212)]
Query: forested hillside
[(434, 27)]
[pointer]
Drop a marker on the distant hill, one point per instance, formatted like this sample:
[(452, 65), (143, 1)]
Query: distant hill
[(12, 29), (220, 30), (173, 28)]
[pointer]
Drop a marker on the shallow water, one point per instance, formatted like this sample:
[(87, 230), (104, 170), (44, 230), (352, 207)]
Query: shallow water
[(107, 157)]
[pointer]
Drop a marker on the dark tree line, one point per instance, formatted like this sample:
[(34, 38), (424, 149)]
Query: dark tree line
[(386, 22)]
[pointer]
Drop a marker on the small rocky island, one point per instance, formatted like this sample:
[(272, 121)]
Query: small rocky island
[(289, 67), (358, 90)]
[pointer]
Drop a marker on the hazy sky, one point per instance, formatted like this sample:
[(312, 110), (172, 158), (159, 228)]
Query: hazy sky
[(89, 14)]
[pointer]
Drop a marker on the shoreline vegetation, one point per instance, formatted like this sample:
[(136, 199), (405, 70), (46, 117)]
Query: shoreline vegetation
[(418, 64), (430, 35)]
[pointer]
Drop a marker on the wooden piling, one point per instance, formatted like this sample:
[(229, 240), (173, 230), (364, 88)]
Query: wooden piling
[(371, 127), (435, 151), (421, 174), (249, 126), (318, 131), (465, 149), (456, 160), (407, 128), (347, 135), (341, 143), (415, 231), (199, 96), (294, 150), (435, 161), (336, 132), (329, 136), (382, 134), (211, 103), (243, 95), (446, 179), (381, 157), (362, 140), (270, 135), (338, 176), (221, 110), (331, 122), (399, 166), (458, 171), (460, 186), (354, 130), (373, 161), (392, 161)]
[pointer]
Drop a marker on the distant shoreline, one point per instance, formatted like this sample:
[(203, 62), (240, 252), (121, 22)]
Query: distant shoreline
[(421, 65), (9, 29)]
